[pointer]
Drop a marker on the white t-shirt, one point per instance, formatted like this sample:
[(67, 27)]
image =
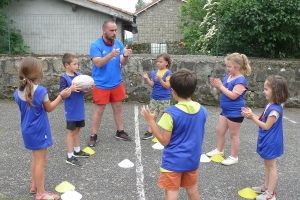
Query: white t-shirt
[(21, 94)]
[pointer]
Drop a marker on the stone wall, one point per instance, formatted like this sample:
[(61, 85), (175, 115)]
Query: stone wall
[(138, 90), (159, 23)]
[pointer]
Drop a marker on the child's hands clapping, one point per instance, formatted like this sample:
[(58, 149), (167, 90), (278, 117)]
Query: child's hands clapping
[(215, 82), (158, 78), (147, 114), (247, 113), (145, 75)]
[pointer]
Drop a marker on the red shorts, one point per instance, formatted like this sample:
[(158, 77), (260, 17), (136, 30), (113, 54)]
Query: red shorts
[(174, 180), (101, 96)]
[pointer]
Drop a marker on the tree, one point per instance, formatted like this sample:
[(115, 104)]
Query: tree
[(11, 38), (140, 4), (260, 28)]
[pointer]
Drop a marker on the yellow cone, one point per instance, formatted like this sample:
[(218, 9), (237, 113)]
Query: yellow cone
[(64, 187), (217, 158), (154, 140), (88, 150), (247, 193)]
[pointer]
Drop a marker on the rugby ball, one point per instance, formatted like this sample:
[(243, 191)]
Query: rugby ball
[(83, 81)]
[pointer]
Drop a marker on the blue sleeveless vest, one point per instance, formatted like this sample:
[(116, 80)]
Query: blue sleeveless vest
[(158, 91), (232, 108), (270, 142), (183, 152), (35, 125), (74, 104)]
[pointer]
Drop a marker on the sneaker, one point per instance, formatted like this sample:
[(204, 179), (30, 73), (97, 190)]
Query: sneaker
[(266, 196), (260, 189), (73, 161), (215, 152), (123, 136), (147, 136), (230, 161), (81, 154), (93, 140)]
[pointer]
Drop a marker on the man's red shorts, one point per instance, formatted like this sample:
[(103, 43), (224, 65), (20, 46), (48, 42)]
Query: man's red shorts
[(101, 96)]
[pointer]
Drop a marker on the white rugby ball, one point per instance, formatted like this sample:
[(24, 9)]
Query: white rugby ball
[(83, 81)]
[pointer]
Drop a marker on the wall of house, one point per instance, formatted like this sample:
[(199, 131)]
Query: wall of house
[(51, 27), (158, 23), (138, 90)]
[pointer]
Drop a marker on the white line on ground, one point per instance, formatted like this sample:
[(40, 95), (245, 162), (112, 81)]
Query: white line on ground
[(138, 153), (289, 120)]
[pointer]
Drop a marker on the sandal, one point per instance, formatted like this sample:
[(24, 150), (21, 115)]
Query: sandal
[(51, 196), (32, 190)]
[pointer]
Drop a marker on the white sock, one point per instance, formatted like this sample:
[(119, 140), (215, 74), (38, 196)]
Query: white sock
[(76, 149), (70, 155)]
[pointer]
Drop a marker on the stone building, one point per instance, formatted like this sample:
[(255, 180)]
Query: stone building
[(59, 26), (158, 23)]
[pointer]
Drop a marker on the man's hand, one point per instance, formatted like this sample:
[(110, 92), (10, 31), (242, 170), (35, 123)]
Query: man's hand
[(127, 52)]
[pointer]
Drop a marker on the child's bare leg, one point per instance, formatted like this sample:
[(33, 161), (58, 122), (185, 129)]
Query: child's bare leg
[(221, 131), (39, 161), (193, 193), (70, 140), (271, 175), (171, 195), (76, 137), (32, 170), (234, 131)]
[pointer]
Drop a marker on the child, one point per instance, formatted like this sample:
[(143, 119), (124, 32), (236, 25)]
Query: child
[(182, 135), (270, 133), (34, 104), (160, 96), (232, 92), (74, 109)]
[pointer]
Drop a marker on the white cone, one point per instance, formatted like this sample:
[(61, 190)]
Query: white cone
[(158, 145), (126, 164), (71, 195), (204, 158)]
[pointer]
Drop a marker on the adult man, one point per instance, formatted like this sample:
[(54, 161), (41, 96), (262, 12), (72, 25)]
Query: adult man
[(107, 53)]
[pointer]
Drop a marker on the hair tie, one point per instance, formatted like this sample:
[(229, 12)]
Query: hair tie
[(24, 80)]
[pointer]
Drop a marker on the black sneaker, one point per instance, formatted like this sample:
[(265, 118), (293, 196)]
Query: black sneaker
[(93, 140), (147, 136), (123, 136), (73, 161), (81, 154)]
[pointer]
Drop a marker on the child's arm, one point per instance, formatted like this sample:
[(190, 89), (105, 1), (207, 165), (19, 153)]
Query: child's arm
[(163, 83), (148, 81), (50, 106), (217, 83), (163, 136), (247, 113)]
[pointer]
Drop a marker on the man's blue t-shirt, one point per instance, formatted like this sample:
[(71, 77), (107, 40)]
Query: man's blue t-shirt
[(109, 75)]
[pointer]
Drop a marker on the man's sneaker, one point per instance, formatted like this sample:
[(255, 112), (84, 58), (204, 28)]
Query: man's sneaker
[(215, 152), (81, 154), (93, 140), (73, 161), (260, 189), (266, 196), (122, 136), (147, 136), (230, 161)]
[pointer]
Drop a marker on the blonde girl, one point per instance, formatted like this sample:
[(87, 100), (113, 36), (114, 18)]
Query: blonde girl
[(33, 102), (232, 91)]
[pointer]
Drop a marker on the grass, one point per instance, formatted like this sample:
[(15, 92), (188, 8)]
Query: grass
[(9, 198)]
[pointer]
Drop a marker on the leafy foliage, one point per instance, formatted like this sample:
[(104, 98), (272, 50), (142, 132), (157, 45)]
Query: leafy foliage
[(140, 4), (11, 38), (260, 28)]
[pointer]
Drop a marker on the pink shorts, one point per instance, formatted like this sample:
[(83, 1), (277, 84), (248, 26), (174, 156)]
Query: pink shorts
[(101, 96)]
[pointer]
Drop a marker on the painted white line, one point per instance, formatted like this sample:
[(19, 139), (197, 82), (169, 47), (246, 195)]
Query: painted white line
[(289, 120), (138, 154)]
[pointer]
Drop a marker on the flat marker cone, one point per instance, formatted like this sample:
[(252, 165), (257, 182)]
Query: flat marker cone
[(88, 150), (154, 140), (217, 158), (247, 193), (64, 187)]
